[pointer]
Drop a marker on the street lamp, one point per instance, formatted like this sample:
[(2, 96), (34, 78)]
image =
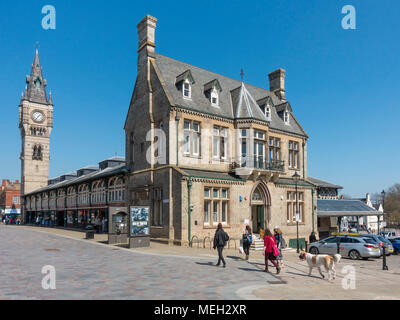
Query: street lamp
[(296, 178), (383, 207)]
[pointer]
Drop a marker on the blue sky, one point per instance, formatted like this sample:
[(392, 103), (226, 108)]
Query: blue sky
[(342, 84)]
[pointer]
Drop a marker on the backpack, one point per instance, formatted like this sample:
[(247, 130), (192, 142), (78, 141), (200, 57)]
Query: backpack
[(246, 240)]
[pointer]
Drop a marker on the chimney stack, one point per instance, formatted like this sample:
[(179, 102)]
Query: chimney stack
[(146, 31), (277, 83)]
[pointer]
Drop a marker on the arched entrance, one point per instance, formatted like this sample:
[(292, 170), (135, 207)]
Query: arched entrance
[(260, 207)]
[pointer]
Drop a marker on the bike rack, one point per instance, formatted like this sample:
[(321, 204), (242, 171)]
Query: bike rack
[(191, 242), (204, 242)]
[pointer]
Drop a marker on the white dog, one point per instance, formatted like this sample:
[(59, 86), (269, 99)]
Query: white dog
[(317, 261)]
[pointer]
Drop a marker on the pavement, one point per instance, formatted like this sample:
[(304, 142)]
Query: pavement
[(91, 269), (87, 270)]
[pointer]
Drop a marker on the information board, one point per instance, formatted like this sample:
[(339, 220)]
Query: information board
[(140, 221)]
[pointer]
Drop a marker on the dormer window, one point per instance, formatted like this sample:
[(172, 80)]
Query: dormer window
[(266, 107), (212, 90), (184, 84), (286, 117), (187, 90)]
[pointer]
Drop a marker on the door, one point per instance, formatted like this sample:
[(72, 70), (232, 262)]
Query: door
[(258, 218), (329, 246), (345, 246)]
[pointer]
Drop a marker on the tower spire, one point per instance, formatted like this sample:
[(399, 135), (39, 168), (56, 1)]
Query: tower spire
[(36, 85)]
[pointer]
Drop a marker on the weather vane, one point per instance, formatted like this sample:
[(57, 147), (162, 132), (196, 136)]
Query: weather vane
[(241, 74), (37, 45)]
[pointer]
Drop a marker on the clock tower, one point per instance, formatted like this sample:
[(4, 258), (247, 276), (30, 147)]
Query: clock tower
[(35, 124)]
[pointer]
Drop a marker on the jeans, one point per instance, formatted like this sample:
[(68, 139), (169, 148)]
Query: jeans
[(246, 249), (220, 256)]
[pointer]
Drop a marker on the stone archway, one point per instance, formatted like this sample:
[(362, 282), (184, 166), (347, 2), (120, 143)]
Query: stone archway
[(260, 202)]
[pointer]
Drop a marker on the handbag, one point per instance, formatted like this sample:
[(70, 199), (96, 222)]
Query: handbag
[(275, 250)]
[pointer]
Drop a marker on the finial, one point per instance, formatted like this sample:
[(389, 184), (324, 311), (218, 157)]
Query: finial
[(37, 46), (241, 74)]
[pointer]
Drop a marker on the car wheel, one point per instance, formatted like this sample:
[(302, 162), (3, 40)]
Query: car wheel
[(314, 250), (354, 255)]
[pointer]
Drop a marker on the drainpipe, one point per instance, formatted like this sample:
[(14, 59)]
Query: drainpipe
[(189, 185), (312, 201), (304, 167), (177, 118)]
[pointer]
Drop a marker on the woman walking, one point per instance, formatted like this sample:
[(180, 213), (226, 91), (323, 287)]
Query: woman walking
[(270, 247), (247, 241), (278, 238), (220, 240)]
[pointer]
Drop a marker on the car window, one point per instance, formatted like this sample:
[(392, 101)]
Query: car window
[(383, 239), (369, 240), (345, 240), (331, 240), (354, 240)]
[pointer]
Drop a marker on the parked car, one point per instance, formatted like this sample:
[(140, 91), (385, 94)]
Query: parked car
[(389, 234), (353, 247), (380, 241), (396, 244)]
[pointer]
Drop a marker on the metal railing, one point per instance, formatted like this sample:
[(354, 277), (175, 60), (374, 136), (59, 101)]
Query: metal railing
[(259, 163)]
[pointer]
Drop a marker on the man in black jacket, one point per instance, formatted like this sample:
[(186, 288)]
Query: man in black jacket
[(220, 240)]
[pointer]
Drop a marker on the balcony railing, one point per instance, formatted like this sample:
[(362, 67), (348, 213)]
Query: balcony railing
[(260, 163)]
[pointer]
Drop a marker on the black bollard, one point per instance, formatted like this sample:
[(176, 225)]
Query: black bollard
[(338, 247), (384, 267)]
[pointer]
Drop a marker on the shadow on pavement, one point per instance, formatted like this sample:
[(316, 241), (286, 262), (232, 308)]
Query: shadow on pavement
[(235, 258), (211, 264), (248, 269), (304, 275)]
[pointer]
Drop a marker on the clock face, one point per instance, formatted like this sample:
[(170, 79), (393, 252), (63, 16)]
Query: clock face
[(37, 116)]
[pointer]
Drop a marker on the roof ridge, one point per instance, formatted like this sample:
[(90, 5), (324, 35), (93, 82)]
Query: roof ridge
[(192, 65)]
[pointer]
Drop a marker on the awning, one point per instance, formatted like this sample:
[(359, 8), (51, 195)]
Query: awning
[(345, 208)]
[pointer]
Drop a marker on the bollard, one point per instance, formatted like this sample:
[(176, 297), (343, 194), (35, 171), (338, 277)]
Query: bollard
[(384, 267), (338, 247)]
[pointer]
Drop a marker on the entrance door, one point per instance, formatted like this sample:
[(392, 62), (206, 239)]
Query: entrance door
[(258, 218)]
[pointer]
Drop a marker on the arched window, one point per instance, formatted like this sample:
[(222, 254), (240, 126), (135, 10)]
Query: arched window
[(37, 153), (116, 190)]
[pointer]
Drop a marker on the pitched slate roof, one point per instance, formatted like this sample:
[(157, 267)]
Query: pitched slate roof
[(329, 208), (88, 177), (323, 184), (229, 97)]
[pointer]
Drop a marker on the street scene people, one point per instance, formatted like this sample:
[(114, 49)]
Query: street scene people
[(247, 241), (312, 237), (278, 238), (220, 240), (271, 251)]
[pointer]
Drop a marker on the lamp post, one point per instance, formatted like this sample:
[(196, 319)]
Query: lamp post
[(383, 207), (296, 178)]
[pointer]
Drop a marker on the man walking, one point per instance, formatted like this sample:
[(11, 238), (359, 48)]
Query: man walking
[(220, 240)]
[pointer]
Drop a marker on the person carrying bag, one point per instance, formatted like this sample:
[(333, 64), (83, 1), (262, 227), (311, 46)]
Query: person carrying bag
[(247, 241), (271, 251)]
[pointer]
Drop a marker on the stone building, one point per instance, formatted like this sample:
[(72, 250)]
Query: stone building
[(204, 149), (35, 124), (93, 194)]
